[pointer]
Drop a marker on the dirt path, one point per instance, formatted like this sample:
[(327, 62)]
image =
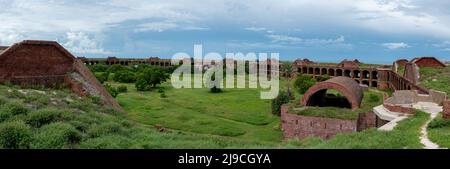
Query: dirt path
[(433, 109)]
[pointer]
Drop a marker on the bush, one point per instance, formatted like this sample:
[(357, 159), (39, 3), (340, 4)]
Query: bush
[(163, 95), (215, 90), (12, 109), (104, 129), (42, 117), (124, 76), (14, 135), (150, 78), (373, 98), (439, 123), (116, 68), (111, 90), (102, 77), (322, 78), (99, 68), (56, 136), (281, 99), (303, 83), (122, 89)]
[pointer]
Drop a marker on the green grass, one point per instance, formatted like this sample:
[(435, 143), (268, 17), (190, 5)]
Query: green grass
[(370, 100), (439, 131), (234, 112), (436, 78)]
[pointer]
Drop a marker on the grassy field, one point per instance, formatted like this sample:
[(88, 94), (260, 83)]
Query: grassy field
[(436, 78), (238, 113)]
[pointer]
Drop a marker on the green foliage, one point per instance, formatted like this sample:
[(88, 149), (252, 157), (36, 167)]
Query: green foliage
[(150, 78), (303, 83), (104, 129), (14, 135), (439, 123), (281, 99), (42, 117), (98, 68), (12, 109), (373, 97), (122, 89), (102, 77), (124, 76), (322, 78), (116, 68), (111, 90), (56, 135)]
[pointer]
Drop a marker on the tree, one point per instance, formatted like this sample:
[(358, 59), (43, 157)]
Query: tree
[(281, 99), (111, 90), (102, 77), (99, 68), (303, 83), (150, 78), (286, 69), (124, 76)]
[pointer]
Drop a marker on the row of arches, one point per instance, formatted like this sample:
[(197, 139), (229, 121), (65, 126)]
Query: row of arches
[(163, 64), (361, 76)]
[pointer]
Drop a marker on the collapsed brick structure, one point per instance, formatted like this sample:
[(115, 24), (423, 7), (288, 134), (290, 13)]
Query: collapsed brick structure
[(47, 63)]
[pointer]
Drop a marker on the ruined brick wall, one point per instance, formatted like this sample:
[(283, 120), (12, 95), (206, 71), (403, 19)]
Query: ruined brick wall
[(428, 62), (48, 63), (34, 63), (297, 126), (367, 120), (446, 108)]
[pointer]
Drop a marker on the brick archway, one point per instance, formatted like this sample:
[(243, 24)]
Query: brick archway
[(346, 86)]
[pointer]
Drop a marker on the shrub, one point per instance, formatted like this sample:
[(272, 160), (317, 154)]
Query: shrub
[(150, 78), (124, 76), (111, 90), (439, 123), (102, 77), (14, 108), (107, 142), (56, 135), (104, 129), (42, 117), (96, 100), (281, 99), (116, 68), (303, 83), (373, 98), (3, 101), (14, 135), (99, 68), (163, 95), (122, 89), (215, 89)]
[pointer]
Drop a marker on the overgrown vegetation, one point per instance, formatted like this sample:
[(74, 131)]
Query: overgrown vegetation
[(303, 83), (435, 78), (439, 131), (281, 99)]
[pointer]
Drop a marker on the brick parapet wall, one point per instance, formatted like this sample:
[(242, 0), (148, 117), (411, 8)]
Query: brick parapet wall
[(399, 108)]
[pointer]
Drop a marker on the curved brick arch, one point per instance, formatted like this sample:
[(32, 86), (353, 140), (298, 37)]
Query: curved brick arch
[(346, 86)]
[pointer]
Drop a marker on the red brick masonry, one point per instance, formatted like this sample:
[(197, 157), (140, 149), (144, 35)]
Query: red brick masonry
[(446, 113)]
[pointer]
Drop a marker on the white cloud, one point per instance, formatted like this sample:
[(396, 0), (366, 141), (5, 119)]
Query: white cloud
[(393, 46), (163, 26), (256, 29), (81, 43), (297, 40)]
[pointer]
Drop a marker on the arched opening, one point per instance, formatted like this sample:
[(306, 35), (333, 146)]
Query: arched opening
[(317, 71), (374, 75), (347, 73), (357, 81), (328, 98), (311, 70), (409, 87), (366, 74), (356, 74), (304, 70), (374, 84), (366, 82), (339, 72), (324, 71), (331, 72)]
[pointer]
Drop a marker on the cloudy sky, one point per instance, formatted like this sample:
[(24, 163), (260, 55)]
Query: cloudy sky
[(370, 30)]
